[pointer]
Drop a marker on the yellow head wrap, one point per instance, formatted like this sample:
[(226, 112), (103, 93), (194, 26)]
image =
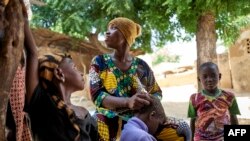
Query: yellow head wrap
[(129, 28)]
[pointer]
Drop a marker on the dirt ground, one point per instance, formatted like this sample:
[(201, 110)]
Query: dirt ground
[(175, 101)]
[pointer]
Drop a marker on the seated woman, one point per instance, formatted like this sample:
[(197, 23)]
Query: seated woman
[(119, 82), (49, 83)]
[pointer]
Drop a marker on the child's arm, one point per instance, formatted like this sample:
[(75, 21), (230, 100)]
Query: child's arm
[(32, 62), (234, 111), (234, 120), (192, 114), (192, 126)]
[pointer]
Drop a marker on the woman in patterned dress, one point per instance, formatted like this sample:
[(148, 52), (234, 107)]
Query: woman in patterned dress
[(119, 82)]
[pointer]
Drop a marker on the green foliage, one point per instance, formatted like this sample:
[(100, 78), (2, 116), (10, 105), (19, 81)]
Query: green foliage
[(230, 15), (159, 59), (161, 20), (76, 18), (166, 58), (173, 59), (231, 29)]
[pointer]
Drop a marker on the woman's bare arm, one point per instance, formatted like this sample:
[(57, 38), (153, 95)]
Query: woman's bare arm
[(135, 102), (32, 62)]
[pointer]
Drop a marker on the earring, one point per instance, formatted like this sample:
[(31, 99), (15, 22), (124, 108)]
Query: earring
[(63, 80)]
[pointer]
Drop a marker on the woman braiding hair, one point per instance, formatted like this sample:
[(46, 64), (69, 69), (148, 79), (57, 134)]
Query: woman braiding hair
[(120, 83)]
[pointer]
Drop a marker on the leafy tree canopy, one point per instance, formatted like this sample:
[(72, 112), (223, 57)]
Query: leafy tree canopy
[(230, 15), (161, 20), (78, 18)]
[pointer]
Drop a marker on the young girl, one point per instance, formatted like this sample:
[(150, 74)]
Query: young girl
[(49, 83), (212, 108)]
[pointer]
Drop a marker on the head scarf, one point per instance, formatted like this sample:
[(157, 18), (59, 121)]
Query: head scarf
[(47, 64), (128, 28)]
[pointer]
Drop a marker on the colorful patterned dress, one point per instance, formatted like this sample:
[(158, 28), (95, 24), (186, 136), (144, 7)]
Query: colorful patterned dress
[(211, 113), (106, 79)]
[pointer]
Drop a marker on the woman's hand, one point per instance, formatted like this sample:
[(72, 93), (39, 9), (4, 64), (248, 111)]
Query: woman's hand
[(138, 100)]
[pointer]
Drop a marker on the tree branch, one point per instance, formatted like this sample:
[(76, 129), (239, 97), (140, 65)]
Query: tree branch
[(37, 2)]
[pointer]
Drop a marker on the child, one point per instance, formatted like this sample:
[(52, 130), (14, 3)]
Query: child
[(212, 108), (49, 83), (145, 122)]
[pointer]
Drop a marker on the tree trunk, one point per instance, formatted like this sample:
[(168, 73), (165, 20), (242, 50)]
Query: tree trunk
[(11, 46), (206, 40)]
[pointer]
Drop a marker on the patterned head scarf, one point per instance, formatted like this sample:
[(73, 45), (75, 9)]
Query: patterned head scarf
[(129, 28), (47, 64)]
